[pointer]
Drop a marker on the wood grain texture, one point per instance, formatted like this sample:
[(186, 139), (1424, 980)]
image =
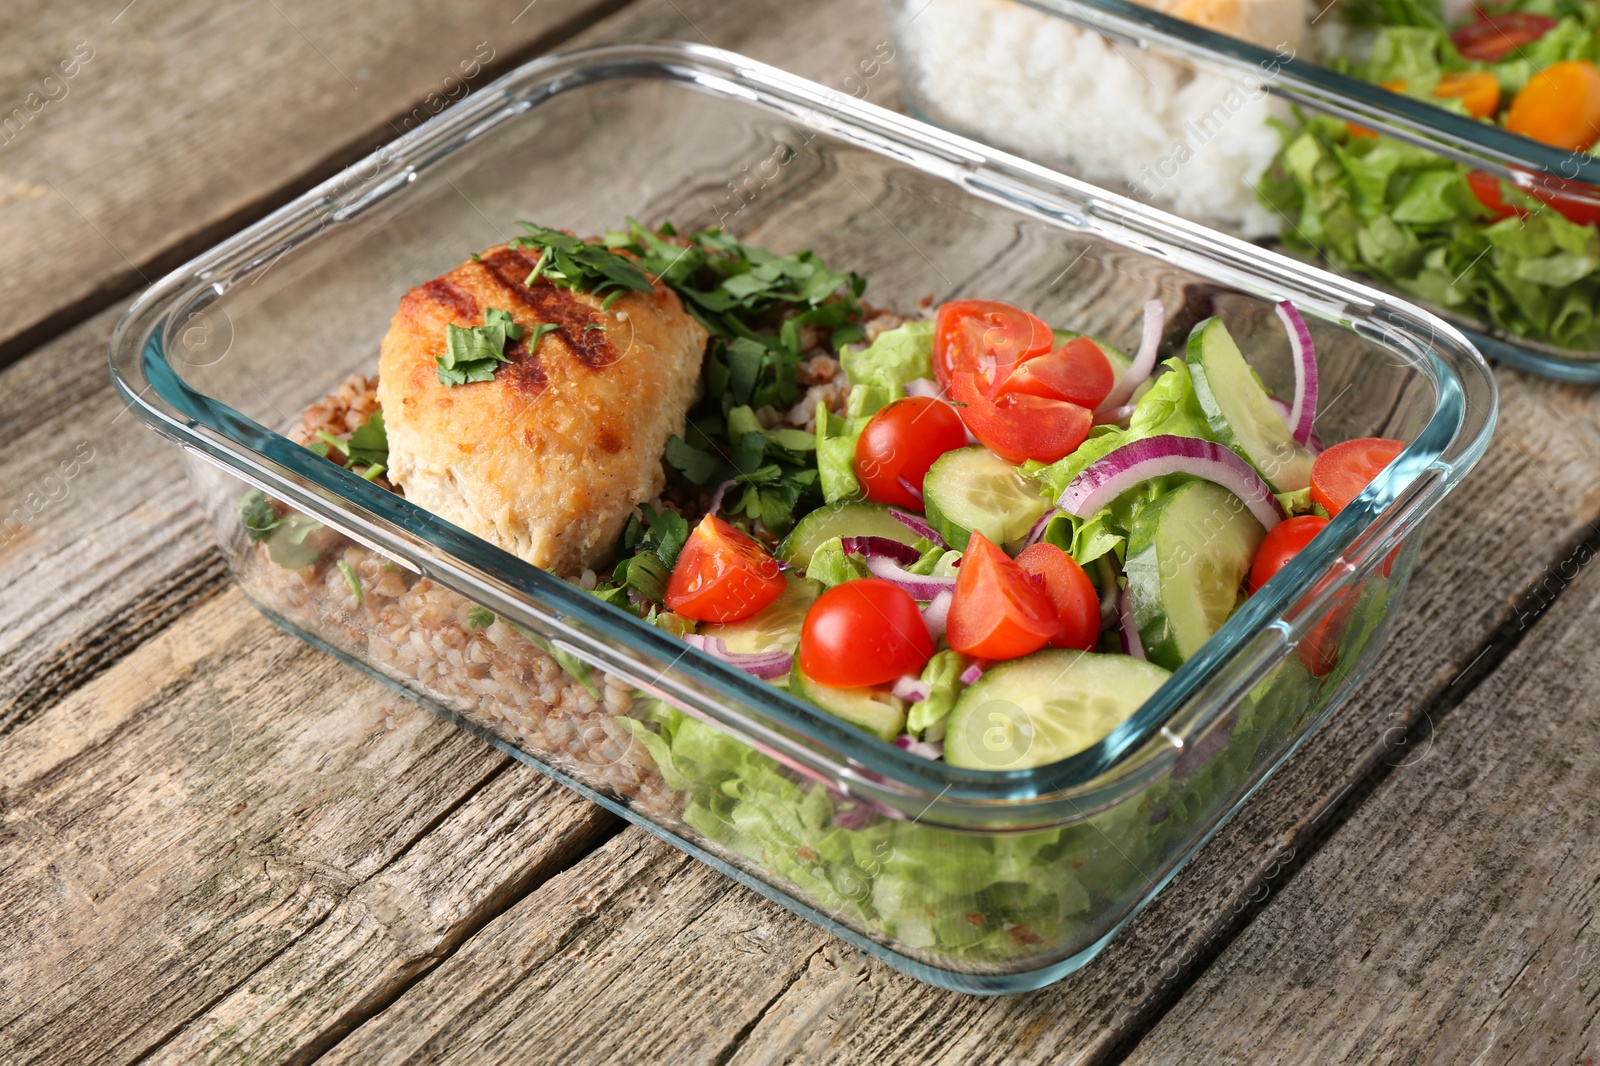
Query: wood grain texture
[(133, 136), (100, 542), (1452, 919), (837, 1006), (229, 842)]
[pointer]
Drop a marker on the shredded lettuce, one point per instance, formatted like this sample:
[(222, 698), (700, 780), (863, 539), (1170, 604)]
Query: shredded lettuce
[(1408, 218), (896, 358), (926, 719), (836, 439), (830, 566), (1170, 406)]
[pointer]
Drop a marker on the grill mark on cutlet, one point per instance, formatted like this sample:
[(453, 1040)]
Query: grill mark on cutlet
[(447, 294), (524, 373), (511, 267)]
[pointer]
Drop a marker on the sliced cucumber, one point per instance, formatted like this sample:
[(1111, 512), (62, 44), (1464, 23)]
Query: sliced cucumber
[(974, 490), (776, 625), (1240, 412), (847, 519), (1188, 553), (1044, 707), (874, 710)]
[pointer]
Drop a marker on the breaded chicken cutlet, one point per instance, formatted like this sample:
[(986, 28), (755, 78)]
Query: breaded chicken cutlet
[(549, 457)]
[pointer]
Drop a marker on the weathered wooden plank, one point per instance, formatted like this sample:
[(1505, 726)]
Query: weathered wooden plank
[(228, 812), (133, 136), (1452, 918), (100, 542), (1542, 478)]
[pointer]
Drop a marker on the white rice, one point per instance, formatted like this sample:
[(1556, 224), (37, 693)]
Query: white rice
[(1191, 141)]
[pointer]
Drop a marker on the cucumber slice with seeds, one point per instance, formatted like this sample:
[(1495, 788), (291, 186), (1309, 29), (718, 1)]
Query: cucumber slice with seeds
[(1239, 411), (879, 713), (846, 519), (1188, 553), (974, 490), (777, 625), (1044, 707)]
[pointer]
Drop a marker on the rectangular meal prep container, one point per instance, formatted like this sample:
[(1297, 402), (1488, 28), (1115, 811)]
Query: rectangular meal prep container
[(982, 881), (1219, 92)]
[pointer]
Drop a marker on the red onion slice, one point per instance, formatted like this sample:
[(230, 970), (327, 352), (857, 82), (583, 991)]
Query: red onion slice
[(921, 586), (1313, 443), (971, 674), (1039, 527), (1118, 471), (1303, 412), (1155, 320), (917, 524), (937, 611), (880, 548), (915, 493), (911, 688), (1129, 632), (925, 387), (924, 748), (716, 497), (767, 665)]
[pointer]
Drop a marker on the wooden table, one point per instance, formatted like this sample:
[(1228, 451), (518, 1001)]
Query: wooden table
[(217, 844)]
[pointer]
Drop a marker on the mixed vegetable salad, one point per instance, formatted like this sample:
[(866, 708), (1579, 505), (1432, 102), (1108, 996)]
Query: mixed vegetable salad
[(1023, 531), (991, 544), (1522, 256)]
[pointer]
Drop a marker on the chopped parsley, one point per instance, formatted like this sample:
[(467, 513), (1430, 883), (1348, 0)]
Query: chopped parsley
[(258, 516), (755, 305), (479, 617), (651, 540), (569, 262), (474, 353), (367, 447)]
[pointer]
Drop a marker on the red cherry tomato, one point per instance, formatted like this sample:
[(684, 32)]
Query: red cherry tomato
[(1486, 187), (1077, 372), (1493, 37), (1282, 543), (1341, 472), (1071, 593), (898, 445), (998, 612), (865, 632), (1576, 202), (722, 575), (985, 337), (1020, 425)]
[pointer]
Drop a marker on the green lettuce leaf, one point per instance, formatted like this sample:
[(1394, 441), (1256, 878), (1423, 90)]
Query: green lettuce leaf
[(898, 356), (926, 719)]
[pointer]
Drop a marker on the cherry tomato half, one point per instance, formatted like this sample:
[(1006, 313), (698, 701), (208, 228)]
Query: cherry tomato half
[(722, 575), (1486, 187), (1282, 543), (1077, 372), (998, 612), (1492, 37), (1341, 472), (1020, 425), (865, 632), (1559, 106), (985, 337), (1071, 593), (898, 445), (1575, 202)]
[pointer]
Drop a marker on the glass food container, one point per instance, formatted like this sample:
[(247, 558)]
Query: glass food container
[(1175, 114), (977, 880)]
